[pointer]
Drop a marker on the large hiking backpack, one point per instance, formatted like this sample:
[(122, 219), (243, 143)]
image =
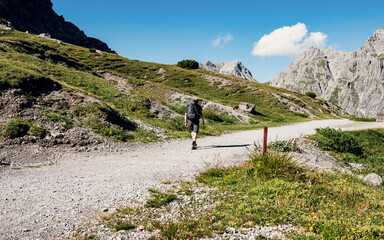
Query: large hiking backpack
[(192, 114)]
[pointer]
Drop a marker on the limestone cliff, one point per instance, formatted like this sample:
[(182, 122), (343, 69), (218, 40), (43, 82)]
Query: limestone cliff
[(37, 16), (352, 80)]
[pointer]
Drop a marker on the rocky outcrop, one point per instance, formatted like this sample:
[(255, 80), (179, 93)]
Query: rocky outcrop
[(373, 179), (235, 68), (352, 80), (37, 16)]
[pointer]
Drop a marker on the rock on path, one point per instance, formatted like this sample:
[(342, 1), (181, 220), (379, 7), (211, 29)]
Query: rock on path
[(46, 202)]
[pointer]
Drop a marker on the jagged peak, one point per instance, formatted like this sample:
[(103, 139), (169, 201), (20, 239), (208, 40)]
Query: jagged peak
[(375, 43), (235, 67)]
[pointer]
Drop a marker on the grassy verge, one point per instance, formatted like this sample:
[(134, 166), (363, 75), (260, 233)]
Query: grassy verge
[(362, 119), (267, 190), (363, 147)]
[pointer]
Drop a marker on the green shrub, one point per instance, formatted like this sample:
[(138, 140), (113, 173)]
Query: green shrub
[(176, 124), (96, 124), (37, 131), (179, 109), (336, 140), (123, 225), (273, 165), (209, 114), (311, 94), (363, 119), (16, 128), (299, 102), (284, 146), (92, 50), (81, 110), (117, 133), (159, 199), (189, 64)]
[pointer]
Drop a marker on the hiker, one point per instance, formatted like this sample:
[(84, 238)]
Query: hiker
[(193, 114)]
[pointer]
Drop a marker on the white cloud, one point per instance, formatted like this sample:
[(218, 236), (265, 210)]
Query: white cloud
[(288, 41), (221, 40)]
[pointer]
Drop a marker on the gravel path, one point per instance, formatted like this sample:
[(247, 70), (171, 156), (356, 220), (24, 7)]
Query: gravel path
[(46, 202)]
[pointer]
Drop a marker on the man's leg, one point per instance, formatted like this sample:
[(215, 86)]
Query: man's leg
[(194, 136)]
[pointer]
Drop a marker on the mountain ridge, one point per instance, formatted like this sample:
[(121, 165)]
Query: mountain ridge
[(234, 68), (352, 80), (38, 16)]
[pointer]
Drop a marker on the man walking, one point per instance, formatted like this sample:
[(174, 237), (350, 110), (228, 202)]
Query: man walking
[(192, 119)]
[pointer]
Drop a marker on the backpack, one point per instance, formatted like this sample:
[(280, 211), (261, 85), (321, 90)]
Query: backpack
[(192, 114)]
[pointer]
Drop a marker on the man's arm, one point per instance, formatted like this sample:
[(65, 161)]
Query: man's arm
[(202, 117)]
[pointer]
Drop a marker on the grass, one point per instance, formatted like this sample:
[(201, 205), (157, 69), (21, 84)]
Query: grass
[(39, 65), (269, 190), (19, 127), (284, 146), (159, 199), (362, 119), (370, 151)]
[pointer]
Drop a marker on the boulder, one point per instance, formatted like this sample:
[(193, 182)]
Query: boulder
[(373, 179), (247, 107)]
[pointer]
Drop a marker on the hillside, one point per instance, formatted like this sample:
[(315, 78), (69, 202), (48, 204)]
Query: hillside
[(54, 94), (351, 80)]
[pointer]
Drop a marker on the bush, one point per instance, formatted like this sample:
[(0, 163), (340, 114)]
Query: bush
[(284, 146), (159, 199), (117, 133), (311, 94), (336, 140), (16, 128), (92, 50), (273, 165), (189, 64), (363, 119), (37, 131), (209, 114)]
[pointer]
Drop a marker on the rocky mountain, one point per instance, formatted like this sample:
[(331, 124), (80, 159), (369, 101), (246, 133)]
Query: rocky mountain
[(352, 80), (235, 68), (37, 16)]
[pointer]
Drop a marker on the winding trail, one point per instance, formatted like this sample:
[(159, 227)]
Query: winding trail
[(46, 202)]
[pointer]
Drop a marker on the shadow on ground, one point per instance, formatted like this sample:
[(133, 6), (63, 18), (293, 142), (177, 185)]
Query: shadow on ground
[(222, 146)]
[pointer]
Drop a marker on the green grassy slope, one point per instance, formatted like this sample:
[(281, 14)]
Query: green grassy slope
[(35, 64)]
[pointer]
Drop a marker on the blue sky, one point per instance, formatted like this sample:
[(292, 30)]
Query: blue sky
[(222, 31)]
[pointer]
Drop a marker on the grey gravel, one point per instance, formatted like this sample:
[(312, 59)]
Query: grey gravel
[(50, 201)]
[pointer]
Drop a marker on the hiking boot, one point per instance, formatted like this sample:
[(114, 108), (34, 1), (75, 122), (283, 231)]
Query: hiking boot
[(194, 145)]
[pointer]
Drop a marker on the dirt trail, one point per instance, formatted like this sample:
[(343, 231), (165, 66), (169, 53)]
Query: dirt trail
[(46, 202)]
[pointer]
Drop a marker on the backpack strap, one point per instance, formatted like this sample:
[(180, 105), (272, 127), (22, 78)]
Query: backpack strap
[(194, 105)]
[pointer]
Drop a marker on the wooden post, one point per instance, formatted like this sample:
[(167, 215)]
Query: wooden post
[(265, 142)]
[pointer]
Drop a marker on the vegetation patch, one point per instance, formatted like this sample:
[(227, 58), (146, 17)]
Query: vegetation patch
[(369, 145), (20, 127), (362, 119), (159, 199), (285, 146), (336, 140), (311, 94), (221, 118), (16, 128), (189, 64)]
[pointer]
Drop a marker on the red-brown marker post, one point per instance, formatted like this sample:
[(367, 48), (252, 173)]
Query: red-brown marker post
[(265, 140)]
